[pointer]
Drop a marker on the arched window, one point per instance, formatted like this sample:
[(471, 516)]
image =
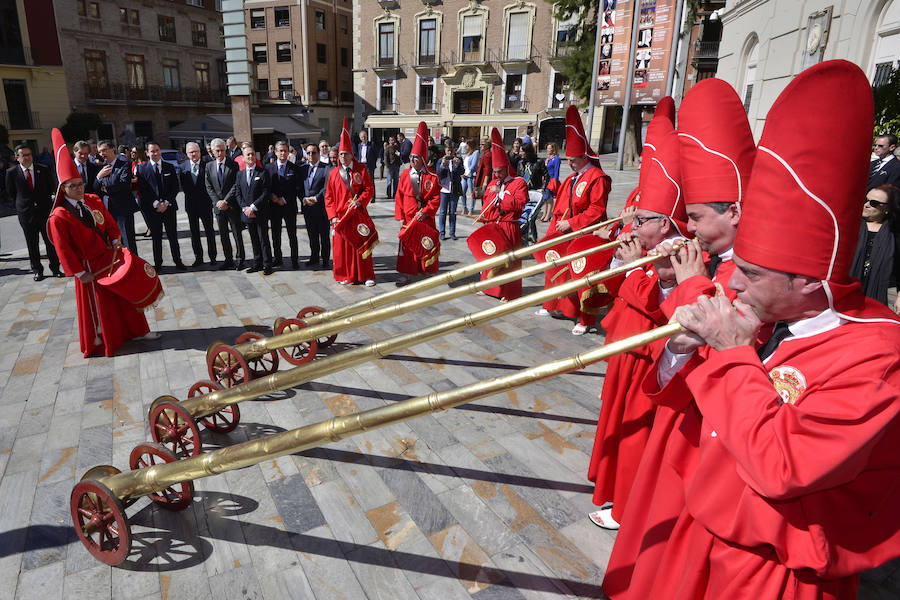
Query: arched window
[(749, 79), (886, 47)]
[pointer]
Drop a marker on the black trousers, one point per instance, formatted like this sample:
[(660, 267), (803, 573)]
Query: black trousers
[(157, 222), (259, 239), (126, 228), (194, 219), (289, 217), (34, 230), (231, 219), (318, 229)]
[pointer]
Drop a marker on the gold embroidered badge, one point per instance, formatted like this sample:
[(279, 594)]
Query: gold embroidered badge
[(357, 178), (789, 382), (579, 264), (428, 185), (579, 189), (488, 247), (551, 255), (149, 270), (427, 243), (363, 229), (99, 219)]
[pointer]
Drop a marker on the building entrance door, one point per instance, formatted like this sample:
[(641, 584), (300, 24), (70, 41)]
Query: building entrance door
[(468, 103), (470, 133)]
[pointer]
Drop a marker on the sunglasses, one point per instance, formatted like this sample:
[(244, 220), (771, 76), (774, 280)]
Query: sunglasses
[(639, 221), (875, 203)]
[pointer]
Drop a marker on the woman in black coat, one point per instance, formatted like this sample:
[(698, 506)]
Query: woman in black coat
[(877, 260)]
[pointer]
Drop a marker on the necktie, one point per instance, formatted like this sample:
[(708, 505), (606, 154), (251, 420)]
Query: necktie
[(249, 176), (714, 261), (158, 177), (221, 164), (85, 215), (29, 179), (312, 175), (281, 170), (781, 331), (84, 173), (572, 193), (195, 172)]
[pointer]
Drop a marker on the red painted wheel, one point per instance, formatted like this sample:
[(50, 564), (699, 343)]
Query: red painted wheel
[(303, 352), (277, 323), (224, 421), (177, 497), (203, 387), (227, 367), (308, 311), (212, 347), (100, 522), (265, 364), (172, 426)]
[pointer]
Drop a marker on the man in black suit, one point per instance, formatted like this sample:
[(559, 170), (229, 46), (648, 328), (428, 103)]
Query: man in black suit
[(221, 180), (255, 198), (29, 185), (197, 203), (885, 168), (233, 149), (367, 153), (284, 182), (86, 167), (114, 181), (158, 185), (313, 180)]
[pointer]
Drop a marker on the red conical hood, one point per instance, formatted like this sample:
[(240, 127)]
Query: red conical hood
[(662, 124), (717, 148), (662, 183), (499, 157), (420, 144), (346, 145), (576, 141), (65, 166)]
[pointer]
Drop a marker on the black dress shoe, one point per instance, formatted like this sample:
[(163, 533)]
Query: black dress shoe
[(323, 267), (213, 261), (197, 262), (228, 264), (254, 269), (38, 276), (277, 262), (59, 274), (295, 264), (159, 269), (312, 263), (240, 264), (180, 266), (268, 271)]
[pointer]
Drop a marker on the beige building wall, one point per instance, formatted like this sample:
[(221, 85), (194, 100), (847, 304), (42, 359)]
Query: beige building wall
[(472, 91), (765, 43)]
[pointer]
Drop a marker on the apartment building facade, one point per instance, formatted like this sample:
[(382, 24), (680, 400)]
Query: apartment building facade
[(462, 66), (34, 97), (142, 66), (301, 59)]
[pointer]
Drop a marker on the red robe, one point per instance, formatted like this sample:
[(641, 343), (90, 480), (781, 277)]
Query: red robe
[(626, 413), (583, 205), (791, 487), (348, 264), (506, 213), (105, 320), (406, 206)]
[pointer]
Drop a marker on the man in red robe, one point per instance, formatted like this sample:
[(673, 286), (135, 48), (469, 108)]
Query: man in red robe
[(418, 197), (504, 199), (581, 201), (790, 477), (85, 236), (349, 188), (626, 413)]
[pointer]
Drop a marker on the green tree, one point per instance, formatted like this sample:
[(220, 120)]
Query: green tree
[(579, 64), (887, 105), (79, 125)]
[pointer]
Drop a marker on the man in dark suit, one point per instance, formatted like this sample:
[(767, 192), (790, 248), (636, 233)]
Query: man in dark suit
[(86, 167), (221, 180), (885, 168), (313, 180), (158, 185), (114, 181), (284, 182), (367, 154), (197, 203), (233, 149), (255, 198), (29, 185), (405, 147)]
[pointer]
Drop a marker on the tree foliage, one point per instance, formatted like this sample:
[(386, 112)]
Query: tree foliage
[(79, 125), (579, 64), (887, 106)]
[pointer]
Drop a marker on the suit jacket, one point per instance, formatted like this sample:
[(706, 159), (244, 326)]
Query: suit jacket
[(233, 154), (314, 188), (196, 198), (889, 173), (405, 150), (228, 190), (257, 192), (152, 190), (116, 188), (33, 206), (371, 154), (91, 185), (285, 187), (451, 178)]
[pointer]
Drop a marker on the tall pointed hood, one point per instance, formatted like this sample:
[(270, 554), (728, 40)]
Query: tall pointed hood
[(662, 183), (577, 143), (499, 157), (65, 166), (346, 144), (420, 144)]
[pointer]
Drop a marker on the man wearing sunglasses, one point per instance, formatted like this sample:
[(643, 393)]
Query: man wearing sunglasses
[(885, 168)]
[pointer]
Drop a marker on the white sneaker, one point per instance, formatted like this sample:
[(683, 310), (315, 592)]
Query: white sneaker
[(370, 282), (343, 282), (603, 518), (542, 312), (579, 329)]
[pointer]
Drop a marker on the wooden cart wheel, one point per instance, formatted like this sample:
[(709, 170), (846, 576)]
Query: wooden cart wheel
[(308, 311), (225, 420), (203, 387), (100, 522), (172, 426), (212, 347), (227, 367), (265, 364), (177, 497), (301, 353)]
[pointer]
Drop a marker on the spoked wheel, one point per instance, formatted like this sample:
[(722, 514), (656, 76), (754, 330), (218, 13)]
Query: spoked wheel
[(301, 353), (100, 522), (172, 426), (225, 420), (227, 367), (265, 364), (211, 347), (277, 323), (324, 342), (203, 387), (177, 497)]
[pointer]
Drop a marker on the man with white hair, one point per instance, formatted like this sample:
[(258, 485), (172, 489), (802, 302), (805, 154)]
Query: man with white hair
[(221, 176), (197, 203)]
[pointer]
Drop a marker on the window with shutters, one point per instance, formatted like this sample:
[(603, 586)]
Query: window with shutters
[(282, 16), (137, 75), (260, 55), (385, 44), (257, 18), (201, 74), (95, 71), (166, 28), (198, 34), (427, 41), (752, 54), (517, 37), (283, 52), (320, 19), (471, 38)]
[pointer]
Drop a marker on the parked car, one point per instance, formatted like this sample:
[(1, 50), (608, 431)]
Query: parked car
[(173, 157)]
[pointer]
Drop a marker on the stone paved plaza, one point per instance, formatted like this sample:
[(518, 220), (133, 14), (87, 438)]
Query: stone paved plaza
[(488, 500)]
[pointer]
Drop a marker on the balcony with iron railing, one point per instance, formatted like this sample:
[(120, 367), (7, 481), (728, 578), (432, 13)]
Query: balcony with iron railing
[(559, 50), (387, 63), (118, 93), (706, 49), (20, 120), (428, 108), (520, 104), (488, 56), (390, 108), (510, 57)]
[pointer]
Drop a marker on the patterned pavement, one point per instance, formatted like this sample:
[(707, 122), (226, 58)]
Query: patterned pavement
[(487, 500)]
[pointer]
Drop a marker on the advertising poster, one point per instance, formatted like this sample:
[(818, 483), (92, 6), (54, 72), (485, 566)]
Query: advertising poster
[(651, 59)]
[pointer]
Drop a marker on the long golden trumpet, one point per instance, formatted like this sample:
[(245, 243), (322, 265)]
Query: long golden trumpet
[(175, 423), (98, 501), (229, 365)]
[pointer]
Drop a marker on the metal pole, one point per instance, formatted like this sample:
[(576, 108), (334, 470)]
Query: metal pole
[(673, 51), (629, 84), (594, 72)]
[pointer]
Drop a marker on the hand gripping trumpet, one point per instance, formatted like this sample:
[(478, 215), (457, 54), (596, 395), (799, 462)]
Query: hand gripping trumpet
[(254, 356), (174, 423)]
